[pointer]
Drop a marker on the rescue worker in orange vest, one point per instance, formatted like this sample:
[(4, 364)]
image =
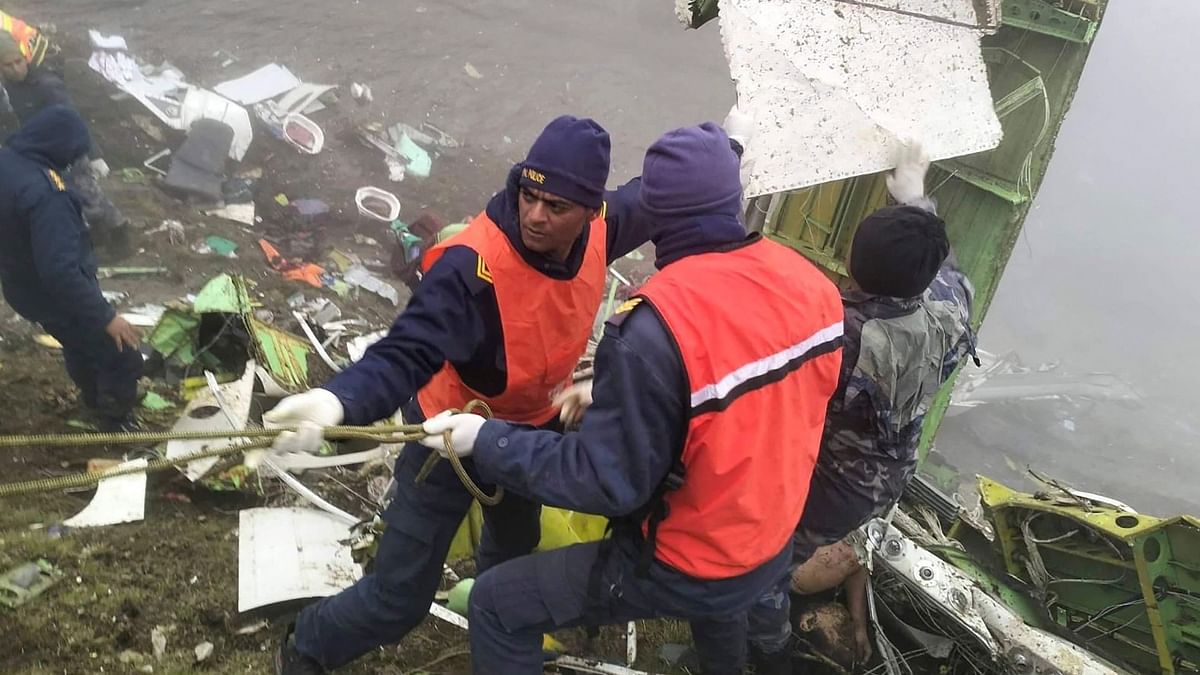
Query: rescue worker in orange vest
[(503, 314), (708, 405)]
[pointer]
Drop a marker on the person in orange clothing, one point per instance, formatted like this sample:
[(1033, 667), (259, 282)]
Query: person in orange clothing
[(502, 314), (708, 407)]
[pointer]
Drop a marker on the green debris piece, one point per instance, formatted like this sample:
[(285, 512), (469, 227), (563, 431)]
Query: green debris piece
[(281, 199), (26, 581), (449, 231), (284, 355), (341, 288), (80, 424), (175, 336), (225, 293), (417, 159), (152, 401), (221, 246)]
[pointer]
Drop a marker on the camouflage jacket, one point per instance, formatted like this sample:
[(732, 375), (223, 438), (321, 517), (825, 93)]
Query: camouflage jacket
[(897, 355)]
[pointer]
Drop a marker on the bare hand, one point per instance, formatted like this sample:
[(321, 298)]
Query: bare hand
[(123, 333)]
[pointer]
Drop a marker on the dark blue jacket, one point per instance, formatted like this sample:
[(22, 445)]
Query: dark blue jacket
[(453, 315), (47, 269), (625, 448), (40, 89)]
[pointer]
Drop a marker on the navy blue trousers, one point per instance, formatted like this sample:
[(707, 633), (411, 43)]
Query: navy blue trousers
[(597, 583), (106, 377), (421, 522)]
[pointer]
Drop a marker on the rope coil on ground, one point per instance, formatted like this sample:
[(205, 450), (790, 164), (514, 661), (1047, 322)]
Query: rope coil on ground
[(402, 433)]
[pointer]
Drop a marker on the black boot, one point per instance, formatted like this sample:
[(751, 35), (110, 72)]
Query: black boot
[(771, 663), (289, 661)]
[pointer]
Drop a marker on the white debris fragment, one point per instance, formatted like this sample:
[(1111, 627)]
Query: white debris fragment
[(121, 499)]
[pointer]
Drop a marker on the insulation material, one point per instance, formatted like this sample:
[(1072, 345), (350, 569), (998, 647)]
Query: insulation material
[(291, 554), (834, 87)]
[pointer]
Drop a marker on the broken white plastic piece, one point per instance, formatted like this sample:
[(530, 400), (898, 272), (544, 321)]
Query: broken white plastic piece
[(291, 554), (121, 499), (267, 82), (303, 133), (204, 413), (377, 203)]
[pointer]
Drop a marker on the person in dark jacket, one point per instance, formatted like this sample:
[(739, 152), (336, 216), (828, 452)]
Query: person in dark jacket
[(908, 327), (47, 269), (704, 491), (31, 89), (469, 331)]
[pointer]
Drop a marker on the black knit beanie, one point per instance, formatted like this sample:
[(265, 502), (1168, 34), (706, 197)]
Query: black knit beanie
[(898, 250)]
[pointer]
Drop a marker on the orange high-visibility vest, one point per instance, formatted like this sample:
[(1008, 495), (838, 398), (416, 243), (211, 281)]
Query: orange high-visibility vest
[(546, 324), (759, 331)]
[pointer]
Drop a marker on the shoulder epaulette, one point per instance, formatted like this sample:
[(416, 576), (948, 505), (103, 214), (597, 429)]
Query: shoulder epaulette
[(56, 180)]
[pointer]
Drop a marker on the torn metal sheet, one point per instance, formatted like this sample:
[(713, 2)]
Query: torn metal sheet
[(302, 98), (291, 554), (267, 82), (204, 413), (362, 277), (833, 88), (120, 499)]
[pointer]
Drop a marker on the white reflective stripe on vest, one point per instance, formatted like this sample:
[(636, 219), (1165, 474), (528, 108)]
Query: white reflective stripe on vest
[(765, 365)]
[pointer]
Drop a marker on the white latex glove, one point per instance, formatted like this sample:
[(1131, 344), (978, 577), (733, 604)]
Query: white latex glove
[(463, 427), (99, 168), (906, 182), (574, 401), (739, 126), (311, 412)]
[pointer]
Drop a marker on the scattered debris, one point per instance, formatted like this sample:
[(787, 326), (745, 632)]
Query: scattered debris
[(111, 272), (203, 651), (267, 82), (291, 554), (153, 401), (309, 273), (158, 640), (377, 203), (203, 413), (358, 346), (47, 341), (472, 71), (130, 657), (26, 581), (165, 93), (198, 168), (120, 499), (239, 213), (250, 629), (221, 246), (417, 160), (361, 93), (360, 276), (303, 133)]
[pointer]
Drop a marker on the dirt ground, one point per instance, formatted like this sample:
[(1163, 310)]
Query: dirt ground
[(177, 569)]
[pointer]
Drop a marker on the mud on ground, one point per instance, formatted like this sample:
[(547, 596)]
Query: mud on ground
[(177, 569)]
